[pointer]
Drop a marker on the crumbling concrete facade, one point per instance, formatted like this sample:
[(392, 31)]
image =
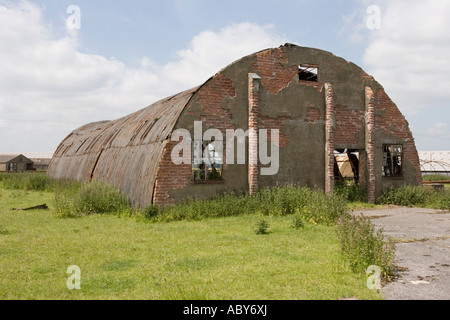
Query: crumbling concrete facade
[(319, 103)]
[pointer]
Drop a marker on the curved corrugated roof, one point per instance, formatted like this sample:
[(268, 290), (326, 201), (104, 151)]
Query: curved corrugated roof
[(124, 153), (435, 161)]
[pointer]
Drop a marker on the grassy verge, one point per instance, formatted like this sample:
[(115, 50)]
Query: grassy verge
[(121, 257), (436, 177), (36, 181), (417, 196), (313, 206)]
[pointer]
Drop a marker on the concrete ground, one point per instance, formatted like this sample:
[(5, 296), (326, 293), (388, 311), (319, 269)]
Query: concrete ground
[(422, 239)]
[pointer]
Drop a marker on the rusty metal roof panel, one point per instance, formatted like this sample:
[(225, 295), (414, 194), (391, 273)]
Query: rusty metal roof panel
[(72, 167), (131, 169), (124, 153)]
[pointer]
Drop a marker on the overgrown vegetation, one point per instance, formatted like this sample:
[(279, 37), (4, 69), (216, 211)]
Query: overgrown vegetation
[(350, 191), (35, 181), (363, 246), (72, 198), (89, 198), (311, 205), (28, 181), (416, 196)]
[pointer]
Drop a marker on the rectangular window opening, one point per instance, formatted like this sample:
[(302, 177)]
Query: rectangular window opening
[(346, 166), (392, 160), (308, 72), (208, 168)]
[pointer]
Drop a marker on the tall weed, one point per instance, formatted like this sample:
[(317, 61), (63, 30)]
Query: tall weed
[(364, 247), (351, 192), (89, 198)]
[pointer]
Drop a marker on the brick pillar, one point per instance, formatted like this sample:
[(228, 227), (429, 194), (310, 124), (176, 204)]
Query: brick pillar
[(362, 167), (370, 143), (330, 129), (254, 82)]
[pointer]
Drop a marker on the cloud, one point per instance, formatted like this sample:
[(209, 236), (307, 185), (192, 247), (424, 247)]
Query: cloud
[(436, 137), (409, 54), (354, 25), (211, 51), (48, 87), (438, 131)]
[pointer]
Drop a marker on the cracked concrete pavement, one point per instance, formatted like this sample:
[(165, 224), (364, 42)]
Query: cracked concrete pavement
[(422, 239)]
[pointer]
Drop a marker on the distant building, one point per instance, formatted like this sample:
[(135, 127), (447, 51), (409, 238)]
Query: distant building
[(41, 159), (15, 163), (435, 162), (41, 164)]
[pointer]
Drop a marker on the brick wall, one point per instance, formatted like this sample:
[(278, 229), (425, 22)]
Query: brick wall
[(272, 66), (211, 96), (213, 115), (348, 123), (276, 74), (394, 123), (274, 123), (170, 176), (313, 115)]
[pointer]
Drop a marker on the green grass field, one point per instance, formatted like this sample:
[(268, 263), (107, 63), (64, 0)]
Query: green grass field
[(131, 258)]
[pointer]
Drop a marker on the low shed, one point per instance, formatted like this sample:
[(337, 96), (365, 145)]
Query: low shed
[(15, 163)]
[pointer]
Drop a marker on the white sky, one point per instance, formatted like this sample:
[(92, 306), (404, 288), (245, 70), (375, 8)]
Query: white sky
[(128, 54)]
